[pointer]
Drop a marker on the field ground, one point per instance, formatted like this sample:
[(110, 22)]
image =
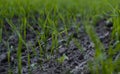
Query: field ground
[(59, 36)]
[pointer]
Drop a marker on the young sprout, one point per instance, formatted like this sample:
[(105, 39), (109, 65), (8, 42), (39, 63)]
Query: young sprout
[(62, 58)]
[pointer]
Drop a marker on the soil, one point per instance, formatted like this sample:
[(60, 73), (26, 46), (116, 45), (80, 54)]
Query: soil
[(77, 58)]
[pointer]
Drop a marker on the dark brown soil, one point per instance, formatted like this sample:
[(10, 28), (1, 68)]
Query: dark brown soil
[(48, 64)]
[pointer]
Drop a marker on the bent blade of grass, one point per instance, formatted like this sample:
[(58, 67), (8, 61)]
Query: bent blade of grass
[(99, 48), (54, 41), (21, 42)]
